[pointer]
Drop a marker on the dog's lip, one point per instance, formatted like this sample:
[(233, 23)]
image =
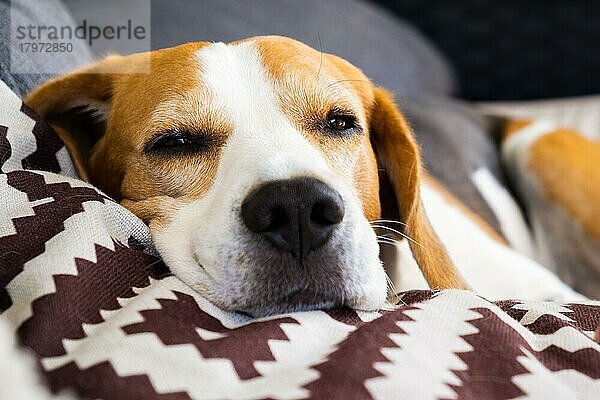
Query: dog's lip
[(286, 309), (298, 299)]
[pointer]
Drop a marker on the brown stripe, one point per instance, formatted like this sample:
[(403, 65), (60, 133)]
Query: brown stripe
[(79, 298), (101, 381), (5, 148), (47, 222), (176, 322), (344, 373), (584, 317), (346, 316), (507, 306), (492, 362), (489, 374), (47, 144)]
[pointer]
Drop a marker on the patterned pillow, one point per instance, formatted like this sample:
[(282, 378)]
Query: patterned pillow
[(556, 173), (83, 290)]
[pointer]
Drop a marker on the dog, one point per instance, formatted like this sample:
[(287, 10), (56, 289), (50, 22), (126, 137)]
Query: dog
[(262, 167)]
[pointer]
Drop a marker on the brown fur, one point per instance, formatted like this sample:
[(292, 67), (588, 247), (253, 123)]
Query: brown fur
[(566, 165), (513, 126), (400, 154), (117, 163)]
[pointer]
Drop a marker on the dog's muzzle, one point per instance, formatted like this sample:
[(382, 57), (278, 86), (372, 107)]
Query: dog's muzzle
[(296, 215)]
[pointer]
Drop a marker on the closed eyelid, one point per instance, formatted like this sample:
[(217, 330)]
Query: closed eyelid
[(197, 143)]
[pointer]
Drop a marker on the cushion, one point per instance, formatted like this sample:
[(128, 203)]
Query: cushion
[(555, 171), (83, 290), (579, 113), (37, 13)]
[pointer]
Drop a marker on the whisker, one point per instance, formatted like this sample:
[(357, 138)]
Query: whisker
[(320, 52), (388, 238), (392, 287), (150, 268), (385, 239), (388, 220), (397, 232), (348, 80), (389, 229)]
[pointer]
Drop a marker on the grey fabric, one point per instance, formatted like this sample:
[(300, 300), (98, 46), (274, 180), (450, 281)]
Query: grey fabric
[(579, 113), (390, 51), (47, 12), (455, 143)]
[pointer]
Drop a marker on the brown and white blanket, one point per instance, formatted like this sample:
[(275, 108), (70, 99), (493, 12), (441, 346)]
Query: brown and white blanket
[(82, 289)]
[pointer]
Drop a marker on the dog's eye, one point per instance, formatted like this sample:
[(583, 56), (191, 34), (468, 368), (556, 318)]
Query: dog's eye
[(179, 143), (340, 122), (174, 141)]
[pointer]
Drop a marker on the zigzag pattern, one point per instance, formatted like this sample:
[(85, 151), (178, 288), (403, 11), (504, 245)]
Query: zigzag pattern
[(84, 292), (366, 343), (5, 149), (47, 145), (81, 298), (243, 346), (27, 141), (65, 201)]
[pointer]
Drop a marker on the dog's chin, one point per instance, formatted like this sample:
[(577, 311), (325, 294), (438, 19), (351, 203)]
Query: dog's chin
[(256, 304), (262, 282), (284, 308), (298, 301)]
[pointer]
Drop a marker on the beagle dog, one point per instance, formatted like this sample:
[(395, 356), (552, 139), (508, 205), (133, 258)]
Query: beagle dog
[(256, 165)]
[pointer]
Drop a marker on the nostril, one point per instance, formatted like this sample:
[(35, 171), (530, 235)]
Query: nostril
[(278, 219), (259, 216), (296, 215), (327, 213)]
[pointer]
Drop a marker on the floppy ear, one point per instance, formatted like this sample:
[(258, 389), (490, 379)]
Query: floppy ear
[(77, 107), (398, 153)]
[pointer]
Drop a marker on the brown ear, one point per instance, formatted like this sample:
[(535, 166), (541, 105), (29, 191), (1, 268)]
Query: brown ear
[(77, 106), (398, 153)]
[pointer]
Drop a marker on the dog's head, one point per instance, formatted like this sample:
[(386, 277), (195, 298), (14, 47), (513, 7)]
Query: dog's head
[(255, 164)]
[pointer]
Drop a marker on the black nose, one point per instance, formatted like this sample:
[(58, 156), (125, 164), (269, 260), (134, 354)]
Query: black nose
[(296, 215)]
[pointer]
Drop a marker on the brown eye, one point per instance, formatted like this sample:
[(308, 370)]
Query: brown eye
[(341, 122)]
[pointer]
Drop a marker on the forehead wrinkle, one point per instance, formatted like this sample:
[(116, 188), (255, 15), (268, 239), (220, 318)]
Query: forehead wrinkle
[(323, 93), (306, 84)]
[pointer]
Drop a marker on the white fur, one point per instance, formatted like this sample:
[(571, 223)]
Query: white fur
[(515, 154), (408, 275), (493, 270), (204, 241), (506, 210)]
